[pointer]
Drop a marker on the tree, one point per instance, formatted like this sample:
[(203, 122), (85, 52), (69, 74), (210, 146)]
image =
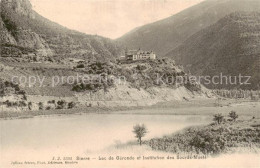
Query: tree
[(30, 105), (233, 115), (71, 105), (218, 118), (140, 131), (40, 105), (61, 104)]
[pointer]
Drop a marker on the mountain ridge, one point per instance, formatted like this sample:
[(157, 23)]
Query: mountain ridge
[(165, 35)]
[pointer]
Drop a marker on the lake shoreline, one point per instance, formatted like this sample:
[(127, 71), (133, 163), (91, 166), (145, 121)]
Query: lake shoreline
[(165, 108)]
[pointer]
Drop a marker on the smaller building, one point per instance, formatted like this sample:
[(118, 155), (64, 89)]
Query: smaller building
[(132, 55)]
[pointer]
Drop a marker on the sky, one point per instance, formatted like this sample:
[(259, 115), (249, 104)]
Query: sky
[(108, 18)]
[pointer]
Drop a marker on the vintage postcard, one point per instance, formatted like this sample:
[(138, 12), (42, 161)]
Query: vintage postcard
[(130, 83)]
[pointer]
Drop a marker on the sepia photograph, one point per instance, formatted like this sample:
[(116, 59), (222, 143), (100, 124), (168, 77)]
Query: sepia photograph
[(130, 84)]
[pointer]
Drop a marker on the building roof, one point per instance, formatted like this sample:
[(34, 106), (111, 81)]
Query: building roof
[(137, 52)]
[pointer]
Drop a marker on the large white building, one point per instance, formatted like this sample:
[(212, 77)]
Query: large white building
[(139, 55)]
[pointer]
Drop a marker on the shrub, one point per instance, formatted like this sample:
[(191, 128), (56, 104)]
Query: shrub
[(40, 105), (219, 118), (233, 115), (22, 104), (77, 88), (51, 102), (80, 66), (61, 104), (8, 103), (71, 105), (30, 105), (206, 142), (141, 67)]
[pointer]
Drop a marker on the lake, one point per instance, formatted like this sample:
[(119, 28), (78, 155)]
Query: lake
[(86, 135)]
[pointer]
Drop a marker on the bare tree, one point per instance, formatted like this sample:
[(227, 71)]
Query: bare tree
[(140, 131)]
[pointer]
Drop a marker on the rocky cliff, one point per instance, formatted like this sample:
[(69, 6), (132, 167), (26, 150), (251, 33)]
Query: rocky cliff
[(23, 32)]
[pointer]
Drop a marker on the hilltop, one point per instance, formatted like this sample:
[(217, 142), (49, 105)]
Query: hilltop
[(94, 84)]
